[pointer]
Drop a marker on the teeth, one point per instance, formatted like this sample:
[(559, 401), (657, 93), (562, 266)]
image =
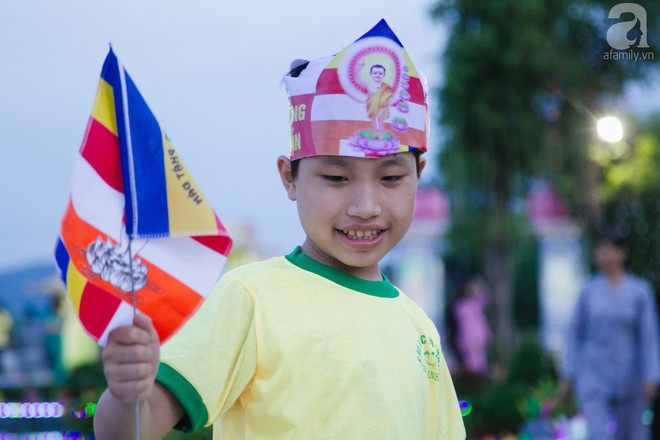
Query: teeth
[(361, 235)]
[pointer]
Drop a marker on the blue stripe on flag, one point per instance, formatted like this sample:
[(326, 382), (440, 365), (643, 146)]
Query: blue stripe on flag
[(149, 167), (62, 258), (147, 193), (110, 70)]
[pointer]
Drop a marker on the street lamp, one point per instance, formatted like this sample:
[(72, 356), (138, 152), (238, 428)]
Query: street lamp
[(609, 129)]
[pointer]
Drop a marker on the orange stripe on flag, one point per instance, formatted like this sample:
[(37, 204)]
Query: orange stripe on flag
[(170, 300), (163, 295)]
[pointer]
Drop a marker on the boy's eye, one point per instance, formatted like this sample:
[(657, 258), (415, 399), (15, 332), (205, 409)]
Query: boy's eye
[(395, 178), (335, 178)]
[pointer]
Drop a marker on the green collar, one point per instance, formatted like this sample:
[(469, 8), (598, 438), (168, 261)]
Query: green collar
[(383, 289)]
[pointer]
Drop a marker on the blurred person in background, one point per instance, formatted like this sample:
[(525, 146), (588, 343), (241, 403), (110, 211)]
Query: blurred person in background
[(53, 340), (28, 337), (472, 331), (613, 353), (6, 323)]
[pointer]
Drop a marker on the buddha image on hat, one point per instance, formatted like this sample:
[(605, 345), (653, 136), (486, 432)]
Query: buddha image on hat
[(366, 101)]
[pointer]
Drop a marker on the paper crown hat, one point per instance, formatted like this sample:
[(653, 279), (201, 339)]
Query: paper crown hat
[(366, 101)]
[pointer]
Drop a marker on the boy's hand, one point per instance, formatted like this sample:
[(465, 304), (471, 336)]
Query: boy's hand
[(130, 360)]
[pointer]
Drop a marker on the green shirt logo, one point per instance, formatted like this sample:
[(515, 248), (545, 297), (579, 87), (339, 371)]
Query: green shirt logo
[(428, 356)]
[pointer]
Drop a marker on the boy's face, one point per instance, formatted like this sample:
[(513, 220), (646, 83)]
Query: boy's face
[(353, 210)]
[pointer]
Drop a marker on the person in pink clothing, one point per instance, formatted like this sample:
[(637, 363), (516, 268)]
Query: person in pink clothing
[(472, 329)]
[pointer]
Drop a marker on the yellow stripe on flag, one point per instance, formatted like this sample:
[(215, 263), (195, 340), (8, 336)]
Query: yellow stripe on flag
[(104, 107), (75, 285), (188, 210)]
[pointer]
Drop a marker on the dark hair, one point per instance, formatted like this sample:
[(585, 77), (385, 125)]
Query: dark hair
[(296, 71), (296, 163), (613, 239), (377, 66), (297, 67)]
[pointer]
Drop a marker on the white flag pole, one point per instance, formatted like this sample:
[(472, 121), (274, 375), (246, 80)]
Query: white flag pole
[(131, 170)]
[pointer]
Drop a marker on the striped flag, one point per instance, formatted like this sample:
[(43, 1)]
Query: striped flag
[(131, 187)]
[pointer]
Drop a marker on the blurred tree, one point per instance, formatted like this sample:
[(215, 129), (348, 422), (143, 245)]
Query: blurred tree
[(522, 80), (632, 196)]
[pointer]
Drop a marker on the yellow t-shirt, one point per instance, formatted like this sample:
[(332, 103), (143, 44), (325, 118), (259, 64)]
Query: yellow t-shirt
[(289, 348)]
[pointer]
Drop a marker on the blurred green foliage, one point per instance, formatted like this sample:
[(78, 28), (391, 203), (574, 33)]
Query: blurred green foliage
[(522, 83), (631, 195), (528, 390)]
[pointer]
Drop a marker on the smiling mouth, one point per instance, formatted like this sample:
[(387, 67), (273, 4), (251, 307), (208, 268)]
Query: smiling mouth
[(369, 234)]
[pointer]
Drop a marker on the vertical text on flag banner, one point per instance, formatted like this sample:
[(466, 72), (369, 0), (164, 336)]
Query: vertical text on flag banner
[(179, 171)]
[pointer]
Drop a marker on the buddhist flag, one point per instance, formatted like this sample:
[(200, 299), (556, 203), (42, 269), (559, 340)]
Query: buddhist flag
[(130, 188)]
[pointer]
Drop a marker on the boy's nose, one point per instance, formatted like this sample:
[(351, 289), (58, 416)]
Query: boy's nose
[(364, 203)]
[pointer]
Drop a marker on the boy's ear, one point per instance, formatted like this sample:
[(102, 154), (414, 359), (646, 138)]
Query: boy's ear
[(422, 164), (284, 168)]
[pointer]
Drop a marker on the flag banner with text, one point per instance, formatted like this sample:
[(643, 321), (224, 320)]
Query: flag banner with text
[(130, 181)]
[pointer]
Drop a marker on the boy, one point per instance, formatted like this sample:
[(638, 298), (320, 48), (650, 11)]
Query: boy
[(316, 344)]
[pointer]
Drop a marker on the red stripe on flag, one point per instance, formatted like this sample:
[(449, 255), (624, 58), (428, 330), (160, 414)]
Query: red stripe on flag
[(97, 307), (101, 149), (220, 243)]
